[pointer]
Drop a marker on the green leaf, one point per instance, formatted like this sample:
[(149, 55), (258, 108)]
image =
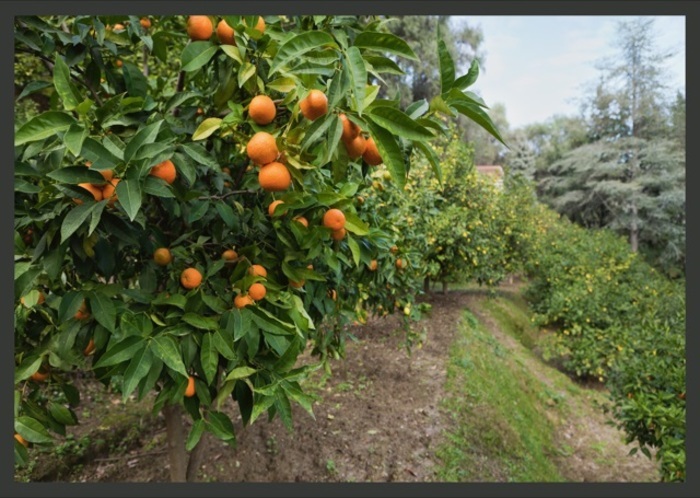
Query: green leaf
[(468, 79), (98, 154), (384, 42), (399, 123), (233, 52), (146, 135), (432, 158), (224, 346), (136, 82), (334, 134), (355, 225), (226, 213), (303, 399), (390, 152), (447, 67), (262, 403), (284, 85), (76, 174), (65, 89), (196, 54), (180, 98), (74, 138), (120, 352), (240, 373), (209, 357), (32, 430), (75, 218), (166, 349), (32, 87), (355, 250), (103, 310), (61, 414), (177, 300), (358, 77), (200, 322), (200, 155), (155, 186), (293, 48), (70, 303), (43, 126), (206, 128), (28, 367), (381, 64), (270, 323), (246, 71), (221, 426), (480, 117), (195, 434), (129, 194), (316, 130), (138, 369)]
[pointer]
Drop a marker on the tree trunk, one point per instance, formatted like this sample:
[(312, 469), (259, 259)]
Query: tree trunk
[(634, 231), (176, 443), (444, 286), (196, 458), (426, 285)]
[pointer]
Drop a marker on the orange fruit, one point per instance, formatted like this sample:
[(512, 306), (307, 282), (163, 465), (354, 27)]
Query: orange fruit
[(334, 219), (118, 63), (273, 205), (314, 105), (226, 170), (109, 191), (199, 28), (82, 313), (165, 170), (258, 271), (118, 26), (162, 256), (21, 440), (257, 291), (401, 263), (274, 177), (230, 255), (262, 148), (107, 174), (200, 111), (350, 129), (302, 220), (356, 147), (189, 392), (360, 200), (338, 234), (297, 285), (40, 300), (262, 109), (332, 294), (373, 265), (371, 153), (40, 376), (241, 301), (260, 25), (225, 33), (145, 22), (95, 191), (394, 249), (190, 278), (90, 348)]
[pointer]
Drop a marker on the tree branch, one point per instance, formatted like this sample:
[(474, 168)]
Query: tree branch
[(227, 194), (178, 89)]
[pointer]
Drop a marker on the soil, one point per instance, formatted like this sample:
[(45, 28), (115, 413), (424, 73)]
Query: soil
[(378, 420)]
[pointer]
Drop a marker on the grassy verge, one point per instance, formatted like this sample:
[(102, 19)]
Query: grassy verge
[(499, 432)]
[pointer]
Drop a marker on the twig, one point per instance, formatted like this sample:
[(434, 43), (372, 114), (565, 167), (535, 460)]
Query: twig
[(121, 457), (145, 60), (227, 194), (178, 89)]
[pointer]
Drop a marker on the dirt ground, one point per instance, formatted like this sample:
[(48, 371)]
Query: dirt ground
[(378, 421)]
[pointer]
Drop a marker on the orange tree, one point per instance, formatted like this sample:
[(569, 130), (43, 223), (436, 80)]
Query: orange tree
[(150, 243)]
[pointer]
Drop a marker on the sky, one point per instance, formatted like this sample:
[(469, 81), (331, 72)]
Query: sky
[(537, 66)]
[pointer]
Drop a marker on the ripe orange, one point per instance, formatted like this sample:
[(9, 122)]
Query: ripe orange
[(350, 129), (190, 278), (260, 25), (314, 105), (373, 265), (274, 177), (257, 291), (90, 348), (118, 26), (356, 147), (302, 220), (226, 170), (199, 28), (189, 392), (82, 313), (200, 111), (40, 300), (338, 234), (371, 153), (145, 22), (401, 263), (334, 219), (21, 440), (40, 376), (165, 170), (162, 256), (107, 174), (95, 191), (262, 109), (109, 191), (230, 255), (241, 301), (360, 200), (273, 205), (225, 33), (394, 249), (297, 285), (118, 63), (262, 148), (258, 271)]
